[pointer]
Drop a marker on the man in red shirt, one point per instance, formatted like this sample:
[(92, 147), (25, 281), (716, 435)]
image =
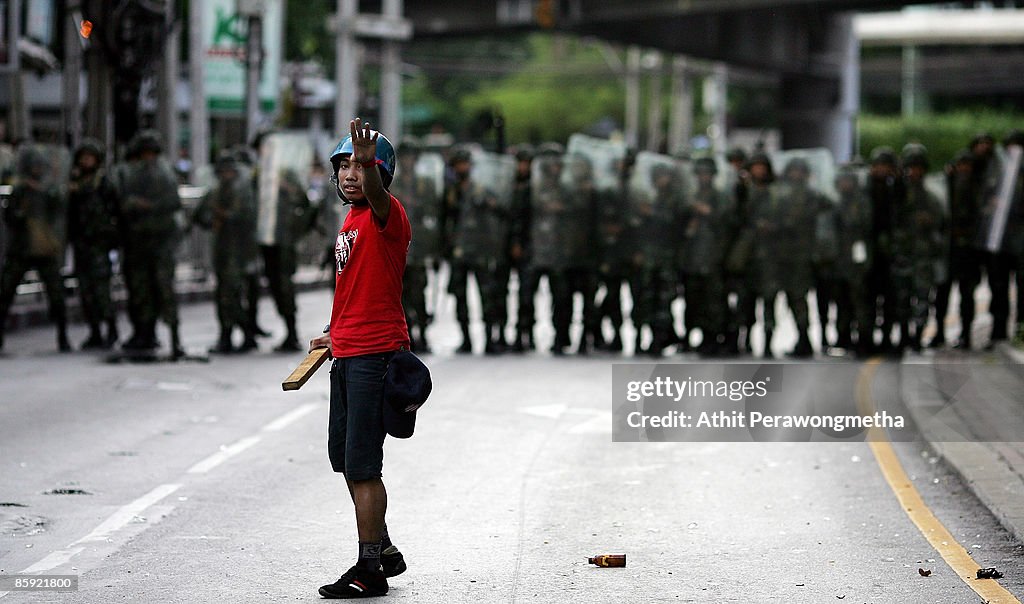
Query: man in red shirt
[(367, 328)]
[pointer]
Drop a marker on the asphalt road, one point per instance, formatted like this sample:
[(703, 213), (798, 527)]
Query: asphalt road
[(196, 482)]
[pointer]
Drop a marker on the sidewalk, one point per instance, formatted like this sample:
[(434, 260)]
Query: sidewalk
[(970, 408)]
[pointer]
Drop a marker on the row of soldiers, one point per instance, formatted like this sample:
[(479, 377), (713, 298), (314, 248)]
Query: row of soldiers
[(133, 208), (882, 252)]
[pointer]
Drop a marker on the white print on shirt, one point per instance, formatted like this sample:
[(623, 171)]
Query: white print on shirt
[(343, 248)]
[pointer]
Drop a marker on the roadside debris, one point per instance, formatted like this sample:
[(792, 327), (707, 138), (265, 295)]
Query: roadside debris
[(608, 560), (924, 573), (989, 573)]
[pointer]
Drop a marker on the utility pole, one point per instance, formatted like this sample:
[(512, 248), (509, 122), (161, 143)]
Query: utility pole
[(198, 117), (720, 109), (391, 78), (167, 84), (346, 66), (72, 111), (18, 119), (632, 81), (680, 120), (655, 95), (252, 10)]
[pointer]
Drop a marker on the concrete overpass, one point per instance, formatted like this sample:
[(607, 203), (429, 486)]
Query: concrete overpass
[(808, 48)]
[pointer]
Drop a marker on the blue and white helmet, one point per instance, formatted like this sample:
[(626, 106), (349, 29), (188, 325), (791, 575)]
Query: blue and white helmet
[(385, 157)]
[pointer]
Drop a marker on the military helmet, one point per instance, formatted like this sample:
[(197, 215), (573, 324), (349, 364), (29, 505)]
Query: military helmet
[(705, 165), (33, 163), (226, 160), (146, 140), (847, 173), (798, 164), (914, 154), (459, 153), (883, 155), (759, 157), (736, 154), (524, 153), (1014, 137), (549, 149), (983, 137), (92, 147), (384, 155), (963, 156)]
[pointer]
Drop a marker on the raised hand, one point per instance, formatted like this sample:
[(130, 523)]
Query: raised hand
[(364, 145)]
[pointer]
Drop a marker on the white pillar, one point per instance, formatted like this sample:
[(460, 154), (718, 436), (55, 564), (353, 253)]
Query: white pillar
[(71, 77), (391, 79), (346, 71), (680, 121), (655, 96), (167, 86), (719, 138), (632, 81), (198, 118)]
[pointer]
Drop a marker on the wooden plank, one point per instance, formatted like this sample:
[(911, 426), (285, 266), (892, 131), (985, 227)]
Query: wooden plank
[(306, 369)]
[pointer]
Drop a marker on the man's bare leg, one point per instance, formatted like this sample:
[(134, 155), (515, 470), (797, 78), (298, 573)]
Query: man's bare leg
[(371, 503)]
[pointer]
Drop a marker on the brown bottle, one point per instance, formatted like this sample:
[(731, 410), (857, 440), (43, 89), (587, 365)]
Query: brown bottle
[(608, 560)]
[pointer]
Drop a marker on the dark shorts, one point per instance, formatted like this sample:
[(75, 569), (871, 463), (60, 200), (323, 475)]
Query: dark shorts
[(355, 432)]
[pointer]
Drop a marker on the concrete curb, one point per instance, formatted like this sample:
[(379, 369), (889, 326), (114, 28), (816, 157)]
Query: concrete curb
[(987, 468)]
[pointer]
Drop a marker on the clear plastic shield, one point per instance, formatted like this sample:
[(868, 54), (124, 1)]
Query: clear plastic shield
[(429, 170), (657, 179), (49, 164), (280, 153), (604, 156), (821, 162), (495, 174)]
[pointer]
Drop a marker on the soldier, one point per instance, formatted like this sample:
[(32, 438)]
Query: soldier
[(738, 247), (853, 264), (884, 189), (34, 216), (790, 221), (547, 224), (479, 245), (654, 224), (700, 256), (756, 263), (918, 247), (419, 195), (986, 174), (519, 243), (964, 262), (614, 269), (229, 211), (579, 254), (148, 193), (93, 234), (295, 218)]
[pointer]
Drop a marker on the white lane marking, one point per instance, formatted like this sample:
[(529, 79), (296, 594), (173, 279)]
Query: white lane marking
[(54, 560), (549, 411), (125, 515), (225, 453), (289, 418)]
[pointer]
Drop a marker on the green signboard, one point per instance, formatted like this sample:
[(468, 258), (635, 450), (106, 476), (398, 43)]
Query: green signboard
[(224, 38)]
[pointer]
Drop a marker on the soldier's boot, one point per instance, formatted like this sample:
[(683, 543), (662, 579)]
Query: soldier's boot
[(748, 341), (915, 341), (249, 343), (708, 346), (95, 339), (586, 343), (423, 346), (62, 335), (494, 344), (767, 342), (112, 335), (940, 337), (683, 341), (177, 351), (845, 339), (637, 344), (823, 336), (616, 343), (731, 345), (467, 344), (291, 340), (223, 345)]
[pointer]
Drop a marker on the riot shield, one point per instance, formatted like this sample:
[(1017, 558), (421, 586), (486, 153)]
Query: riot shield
[(821, 162), (495, 174), (280, 152), (657, 179), (604, 156), (429, 170)]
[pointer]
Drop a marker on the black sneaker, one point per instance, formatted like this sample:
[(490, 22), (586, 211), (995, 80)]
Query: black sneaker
[(392, 561), (356, 583)]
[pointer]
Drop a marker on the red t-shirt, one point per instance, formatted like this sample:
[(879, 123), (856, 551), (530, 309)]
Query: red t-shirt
[(367, 316)]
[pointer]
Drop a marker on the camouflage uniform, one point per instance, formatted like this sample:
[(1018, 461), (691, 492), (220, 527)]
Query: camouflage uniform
[(93, 233), (884, 189), (740, 262), (853, 264), (964, 261), (519, 248), (700, 256), (148, 191), (295, 218), (479, 248), (229, 211), (918, 250), (34, 216), (789, 220), (654, 227), (419, 197), (578, 255), (614, 268)]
